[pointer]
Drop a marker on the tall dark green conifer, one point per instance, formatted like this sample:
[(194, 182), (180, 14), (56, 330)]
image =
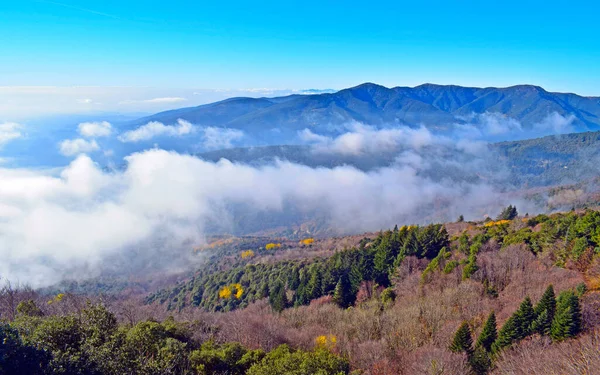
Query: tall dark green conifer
[(278, 297), (509, 333), (526, 316), (567, 319), (343, 295), (480, 361), (544, 312), (462, 342), (489, 334)]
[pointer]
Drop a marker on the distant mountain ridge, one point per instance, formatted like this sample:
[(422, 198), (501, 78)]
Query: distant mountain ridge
[(369, 103)]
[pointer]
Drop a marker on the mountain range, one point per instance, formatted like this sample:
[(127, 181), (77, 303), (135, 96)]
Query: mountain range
[(431, 105)]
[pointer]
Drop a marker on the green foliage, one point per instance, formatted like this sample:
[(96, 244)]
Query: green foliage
[(29, 308), (480, 361), (509, 333), (343, 295), (17, 357), (92, 343), (450, 266), (462, 342), (544, 312), (525, 317), (388, 295), (284, 360), (231, 358), (508, 213), (489, 334), (278, 297), (567, 319)]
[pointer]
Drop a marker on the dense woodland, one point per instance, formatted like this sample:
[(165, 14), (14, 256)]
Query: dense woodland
[(510, 295)]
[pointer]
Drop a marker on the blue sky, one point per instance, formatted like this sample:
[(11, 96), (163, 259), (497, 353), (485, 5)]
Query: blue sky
[(299, 44)]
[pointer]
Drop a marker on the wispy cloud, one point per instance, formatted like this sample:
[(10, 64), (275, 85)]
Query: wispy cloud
[(165, 100), (217, 138), (71, 147), (10, 131), (95, 129), (155, 129)]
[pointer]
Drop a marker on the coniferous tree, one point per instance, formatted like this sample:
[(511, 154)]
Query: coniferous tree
[(314, 285), (489, 334), (544, 312), (526, 316), (462, 342), (508, 213), (480, 361), (383, 259), (278, 298), (567, 319), (509, 333), (343, 295), (294, 279)]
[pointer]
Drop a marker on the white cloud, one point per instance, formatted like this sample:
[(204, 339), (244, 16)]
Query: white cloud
[(367, 139), (217, 138), (10, 131), (70, 147), (154, 129), (158, 206), (95, 129), (493, 126), (156, 100), (84, 101)]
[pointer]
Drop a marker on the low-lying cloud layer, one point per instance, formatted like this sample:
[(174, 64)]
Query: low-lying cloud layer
[(84, 219)]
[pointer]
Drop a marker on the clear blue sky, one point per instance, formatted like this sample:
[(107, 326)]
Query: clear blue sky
[(300, 44)]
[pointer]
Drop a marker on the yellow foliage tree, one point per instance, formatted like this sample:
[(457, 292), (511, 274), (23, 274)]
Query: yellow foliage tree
[(247, 254), (271, 246), (326, 341), (225, 293), (307, 241)]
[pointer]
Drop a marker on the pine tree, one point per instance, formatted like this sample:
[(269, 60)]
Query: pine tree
[(489, 334), (544, 312), (508, 334), (314, 286), (480, 361), (526, 316), (278, 298), (462, 342), (383, 259), (343, 295), (508, 213), (567, 319)]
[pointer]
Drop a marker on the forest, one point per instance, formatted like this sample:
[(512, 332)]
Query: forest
[(517, 294)]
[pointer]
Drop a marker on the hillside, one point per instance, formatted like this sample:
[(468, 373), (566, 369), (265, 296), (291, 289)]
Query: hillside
[(465, 297), (432, 105), (547, 161)]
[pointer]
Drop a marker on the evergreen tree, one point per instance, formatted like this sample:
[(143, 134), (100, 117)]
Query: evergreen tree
[(462, 342), (489, 334), (383, 259), (544, 312), (294, 279), (526, 316), (278, 298), (567, 319), (508, 213), (343, 295), (480, 361), (314, 285), (460, 219), (508, 334)]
